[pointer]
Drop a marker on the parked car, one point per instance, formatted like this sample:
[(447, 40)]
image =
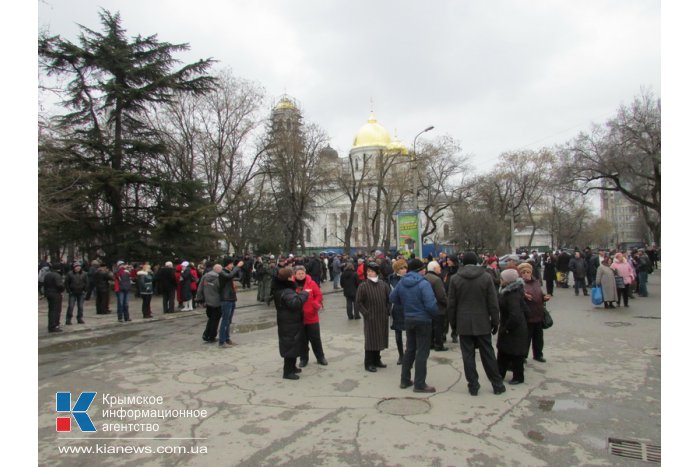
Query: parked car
[(503, 260)]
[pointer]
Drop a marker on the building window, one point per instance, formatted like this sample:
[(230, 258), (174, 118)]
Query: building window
[(308, 235), (325, 235), (446, 231), (357, 166), (356, 235)]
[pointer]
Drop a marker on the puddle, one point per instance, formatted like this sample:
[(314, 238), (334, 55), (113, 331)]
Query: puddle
[(87, 342), (548, 405), (617, 324), (441, 360), (243, 328)]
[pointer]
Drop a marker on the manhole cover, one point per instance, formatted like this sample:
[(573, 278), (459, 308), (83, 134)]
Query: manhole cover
[(653, 351), (404, 406), (617, 324)]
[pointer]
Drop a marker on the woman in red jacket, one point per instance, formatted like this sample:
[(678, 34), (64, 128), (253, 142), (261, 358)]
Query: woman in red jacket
[(312, 327)]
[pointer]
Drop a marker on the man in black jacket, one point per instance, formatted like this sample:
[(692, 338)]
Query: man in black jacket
[(53, 290), (167, 284), (76, 285), (472, 308), (228, 288)]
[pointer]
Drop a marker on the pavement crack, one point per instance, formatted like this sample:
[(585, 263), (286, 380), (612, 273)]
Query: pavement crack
[(258, 458)]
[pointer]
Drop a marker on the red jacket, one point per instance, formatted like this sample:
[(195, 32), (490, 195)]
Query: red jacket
[(361, 271), (315, 301)]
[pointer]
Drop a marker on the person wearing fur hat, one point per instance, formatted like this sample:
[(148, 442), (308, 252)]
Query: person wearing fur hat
[(289, 303), (420, 306), (472, 308), (535, 300), (512, 342), (372, 301)]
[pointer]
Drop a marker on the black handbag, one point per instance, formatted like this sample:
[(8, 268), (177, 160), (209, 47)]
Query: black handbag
[(548, 321)]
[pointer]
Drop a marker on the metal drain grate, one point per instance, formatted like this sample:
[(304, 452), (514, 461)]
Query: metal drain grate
[(634, 450)]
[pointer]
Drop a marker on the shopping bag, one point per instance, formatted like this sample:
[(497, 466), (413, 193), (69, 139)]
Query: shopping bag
[(597, 295), (548, 321)]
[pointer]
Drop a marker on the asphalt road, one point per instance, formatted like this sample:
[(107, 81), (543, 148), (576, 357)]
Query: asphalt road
[(602, 380)]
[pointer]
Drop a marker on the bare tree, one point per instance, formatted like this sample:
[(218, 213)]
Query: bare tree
[(624, 155)]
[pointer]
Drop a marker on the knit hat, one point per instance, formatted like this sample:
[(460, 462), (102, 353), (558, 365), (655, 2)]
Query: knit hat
[(470, 258), (524, 267), (433, 266), (509, 275), (185, 264), (415, 265), (119, 263), (226, 261), (373, 266), (454, 259)]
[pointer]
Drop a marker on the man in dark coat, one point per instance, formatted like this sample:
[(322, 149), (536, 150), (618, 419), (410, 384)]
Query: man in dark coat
[(314, 268), (53, 290), (563, 259), (472, 308), (209, 292), (167, 285), (289, 303), (76, 285), (578, 266), (102, 289), (452, 268), (349, 282), (438, 286), (228, 295)]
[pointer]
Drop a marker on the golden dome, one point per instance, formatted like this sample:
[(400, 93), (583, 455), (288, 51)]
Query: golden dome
[(396, 146), (285, 103), (371, 134)]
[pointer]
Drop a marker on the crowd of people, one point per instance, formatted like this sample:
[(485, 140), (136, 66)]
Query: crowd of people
[(467, 296)]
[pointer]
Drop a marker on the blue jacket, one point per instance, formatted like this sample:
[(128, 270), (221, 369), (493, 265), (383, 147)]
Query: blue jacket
[(416, 296)]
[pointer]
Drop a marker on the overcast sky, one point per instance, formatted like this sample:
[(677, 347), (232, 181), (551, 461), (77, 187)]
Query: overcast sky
[(495, 75)]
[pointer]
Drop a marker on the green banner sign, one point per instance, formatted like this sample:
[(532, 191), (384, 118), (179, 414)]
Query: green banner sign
[(409, 240)]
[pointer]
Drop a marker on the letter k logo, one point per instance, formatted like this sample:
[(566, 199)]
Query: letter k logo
[(79, 411)]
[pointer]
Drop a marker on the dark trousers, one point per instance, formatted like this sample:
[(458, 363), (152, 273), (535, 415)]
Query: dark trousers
[(312, 333), (550, 286), (446, 328), (399, 341), (417, 351), (213, 315), (468, 344), (373, 357), (438, 327), (536, 336), (289, 366), (350, 308), (102, 301), (506, 361), (624, 294), (580, 282), (73, 300), (90, 288), (169, 301), (146, 305), (55, 300)]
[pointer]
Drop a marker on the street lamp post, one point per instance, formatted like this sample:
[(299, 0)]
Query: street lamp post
[(415, 169), (419, 246)]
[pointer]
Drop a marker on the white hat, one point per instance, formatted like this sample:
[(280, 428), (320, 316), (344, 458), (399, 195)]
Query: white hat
[(185, 264), (272, 256), (119, 263)]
